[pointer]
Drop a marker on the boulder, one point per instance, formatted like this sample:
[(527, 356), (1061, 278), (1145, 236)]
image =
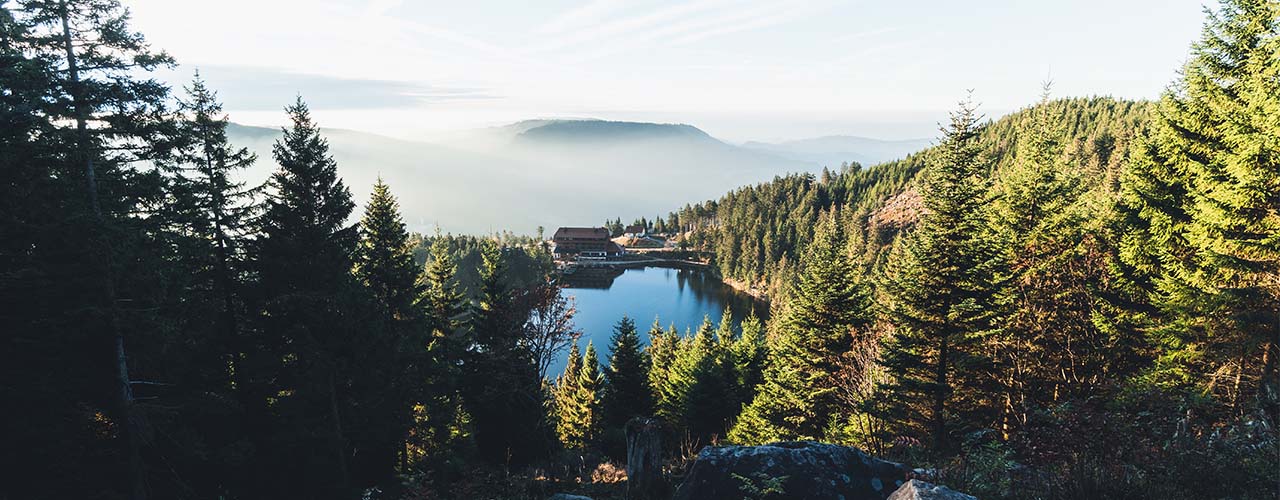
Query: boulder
[(793, 469), (644, 460), (566, 496), (916, 489)]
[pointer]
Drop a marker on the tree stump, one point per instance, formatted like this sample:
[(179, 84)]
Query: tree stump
[(644, 459)]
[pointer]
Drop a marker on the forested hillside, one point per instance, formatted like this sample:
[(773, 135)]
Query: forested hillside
[(758, 232)]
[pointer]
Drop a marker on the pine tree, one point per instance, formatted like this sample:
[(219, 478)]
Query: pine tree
[(211, 213), (90, 283), (502, 388), (304, 261), (662, 350), (829, 306), (384, 260), (750, 354), (1201, 189), (941, 298), (566, 399), (590, 385), (394, 358), (626, 390)]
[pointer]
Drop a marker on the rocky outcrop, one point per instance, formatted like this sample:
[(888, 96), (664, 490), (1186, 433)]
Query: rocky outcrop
[(916, 489), (644, 460), (794, 469)]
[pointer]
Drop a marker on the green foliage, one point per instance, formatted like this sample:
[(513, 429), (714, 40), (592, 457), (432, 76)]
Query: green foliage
[(626, 389), (1200, 195), (760, 486), (829, 307), (941, 296)]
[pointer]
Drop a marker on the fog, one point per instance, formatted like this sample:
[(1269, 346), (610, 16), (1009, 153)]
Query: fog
[(546, 172)]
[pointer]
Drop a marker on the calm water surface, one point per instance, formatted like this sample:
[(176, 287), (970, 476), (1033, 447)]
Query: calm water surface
[(674, 296)]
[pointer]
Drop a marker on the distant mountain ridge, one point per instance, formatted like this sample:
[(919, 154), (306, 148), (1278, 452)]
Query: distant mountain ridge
[(546, 172), (596, 130)]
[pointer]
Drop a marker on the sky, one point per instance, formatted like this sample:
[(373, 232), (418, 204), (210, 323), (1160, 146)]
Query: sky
[(742, 70)]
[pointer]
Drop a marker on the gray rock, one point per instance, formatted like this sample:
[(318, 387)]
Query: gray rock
[(793, 469), (916, 489), (566, 496)]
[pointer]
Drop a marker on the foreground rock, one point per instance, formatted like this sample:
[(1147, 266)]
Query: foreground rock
[(566, 496), (916, 489), (794, 469)]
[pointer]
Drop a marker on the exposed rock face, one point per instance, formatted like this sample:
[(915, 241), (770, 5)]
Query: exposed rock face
[(916, 489), (644, 460), (793, 469)]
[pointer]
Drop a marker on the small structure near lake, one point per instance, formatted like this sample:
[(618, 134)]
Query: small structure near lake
[(591, 243)]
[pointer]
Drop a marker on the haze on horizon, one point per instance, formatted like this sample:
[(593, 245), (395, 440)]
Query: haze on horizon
[(739, 69)]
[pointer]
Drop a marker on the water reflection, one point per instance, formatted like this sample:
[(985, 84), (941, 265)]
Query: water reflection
[(679, 297)]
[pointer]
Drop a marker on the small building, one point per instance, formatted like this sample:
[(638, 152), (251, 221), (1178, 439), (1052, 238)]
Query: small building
[(586, 241), (636, 231)]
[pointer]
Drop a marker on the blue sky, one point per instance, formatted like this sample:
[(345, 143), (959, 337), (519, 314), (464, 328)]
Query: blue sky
[(740, 69)]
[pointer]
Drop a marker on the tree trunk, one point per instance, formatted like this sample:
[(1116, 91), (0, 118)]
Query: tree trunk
[(644, 459), (129, 428)]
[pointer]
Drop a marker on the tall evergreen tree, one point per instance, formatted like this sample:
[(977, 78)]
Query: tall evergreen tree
[(941, 297), (1201, 189), (626, 390), (566, 398), (750, 353), (214, 214), (304, 261), (96, 121), (502, 389), (590, 385), (394, 359), (829, 306), (662, 349)]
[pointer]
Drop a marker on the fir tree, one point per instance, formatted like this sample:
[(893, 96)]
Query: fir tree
[(566, 399), (590, 385), (305, 259), (502, 389), (940, 295), (1202, 188), (661, 351), (797, 398), (394, 359), (626, 390)]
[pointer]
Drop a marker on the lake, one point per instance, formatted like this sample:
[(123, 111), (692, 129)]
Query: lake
[(676, 296)]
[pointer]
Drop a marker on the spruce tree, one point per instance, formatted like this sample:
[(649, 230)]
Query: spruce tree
[(83, 121), (566, 398), (394, 359), (941, 298), (829, 306), (1201, 189), (502, 389), (626, 390), (590, 385), (662, 349), (310, 320), (384, 260), (750, 354)]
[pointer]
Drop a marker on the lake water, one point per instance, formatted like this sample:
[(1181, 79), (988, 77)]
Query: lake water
[(675, 296)]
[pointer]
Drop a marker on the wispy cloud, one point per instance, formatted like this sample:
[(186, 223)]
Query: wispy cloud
[(257, 89), (580, 16), (681, 25)]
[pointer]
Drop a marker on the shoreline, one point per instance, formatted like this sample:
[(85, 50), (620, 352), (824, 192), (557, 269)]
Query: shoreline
[(758, 294)]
